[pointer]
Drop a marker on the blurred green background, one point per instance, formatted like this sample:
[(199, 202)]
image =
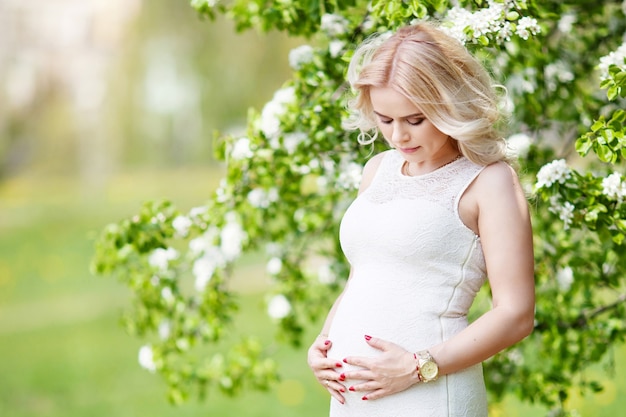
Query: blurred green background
[(104, 105)]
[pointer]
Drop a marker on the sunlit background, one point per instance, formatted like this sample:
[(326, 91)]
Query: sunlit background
[(105, 104)]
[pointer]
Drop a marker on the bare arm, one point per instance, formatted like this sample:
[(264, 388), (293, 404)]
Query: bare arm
[(506, 238)]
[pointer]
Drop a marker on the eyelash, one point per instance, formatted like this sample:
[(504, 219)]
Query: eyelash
[(416, 123)]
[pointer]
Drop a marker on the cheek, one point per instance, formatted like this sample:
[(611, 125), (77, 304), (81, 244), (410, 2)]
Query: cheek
[(384, 129)]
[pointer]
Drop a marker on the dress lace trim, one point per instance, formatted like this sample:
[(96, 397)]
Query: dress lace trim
[(443, 186)]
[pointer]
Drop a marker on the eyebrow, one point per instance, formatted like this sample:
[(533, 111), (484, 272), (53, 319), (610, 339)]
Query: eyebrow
[(402, 117)]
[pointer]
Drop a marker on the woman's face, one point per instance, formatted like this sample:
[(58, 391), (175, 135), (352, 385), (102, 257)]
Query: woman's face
[(406, 129)]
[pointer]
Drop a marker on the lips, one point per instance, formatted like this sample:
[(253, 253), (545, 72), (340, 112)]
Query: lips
[(409, 150)]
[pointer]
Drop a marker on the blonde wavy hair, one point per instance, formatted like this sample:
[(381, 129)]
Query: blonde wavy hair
[(437, 74)]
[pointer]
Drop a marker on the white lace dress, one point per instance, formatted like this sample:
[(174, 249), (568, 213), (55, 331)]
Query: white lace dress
[(416, 271)]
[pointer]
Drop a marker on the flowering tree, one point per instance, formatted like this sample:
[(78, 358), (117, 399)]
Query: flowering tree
[(290, 178)]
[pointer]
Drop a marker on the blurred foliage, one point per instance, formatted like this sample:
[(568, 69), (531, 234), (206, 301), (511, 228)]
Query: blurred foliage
[(161, 88), (290, 177)]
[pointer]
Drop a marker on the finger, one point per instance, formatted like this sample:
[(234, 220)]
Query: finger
[(360, 361), (325, 364), (335, 389), (361, 375), (323, 342), (374, 395), (377, 343), (369, 386)]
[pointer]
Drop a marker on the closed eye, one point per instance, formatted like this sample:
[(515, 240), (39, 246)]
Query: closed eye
[(415, 122)]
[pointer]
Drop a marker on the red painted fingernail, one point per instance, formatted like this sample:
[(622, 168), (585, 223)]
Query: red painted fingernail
[(327, 342), (342, 389), (367, 337), (364, 398), (345, 360), (338, 365), (351, 388), (342, 377)]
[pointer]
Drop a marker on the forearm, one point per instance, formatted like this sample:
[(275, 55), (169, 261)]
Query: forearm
[(492, 332)]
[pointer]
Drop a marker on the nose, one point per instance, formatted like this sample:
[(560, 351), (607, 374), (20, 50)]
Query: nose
[(399, 134)]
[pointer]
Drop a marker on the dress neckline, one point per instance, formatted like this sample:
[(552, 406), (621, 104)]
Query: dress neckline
[(400, 167)]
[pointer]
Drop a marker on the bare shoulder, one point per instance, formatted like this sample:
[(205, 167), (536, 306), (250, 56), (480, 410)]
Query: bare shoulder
[(497, 180), (498, 185), (369, 171), (498, 174)]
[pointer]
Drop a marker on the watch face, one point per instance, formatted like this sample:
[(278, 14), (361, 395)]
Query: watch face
[(429, 370)]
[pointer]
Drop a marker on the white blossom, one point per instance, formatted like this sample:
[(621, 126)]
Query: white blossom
[(167, 295), (146, 358), (325, 274), (491, 20), (241, 149), (298, 217), (608, 268), (335, 48), (273, 195), (567, 214), (182, 224), (350, 176), (303, 169), (515, 356), (555, 171), (614, 58), (279, 307), (232, 238), (258, 198), (522, 83), (272, 248), (564, 210), (300, 56), (196, 212), (334, 25), (557, 71), (565, 278), (203, 269), (261, 198), (204, 243), (223, 192), (274, 266), (519, 144), (158, 218), (566, 22), (273, 110), (165, 329), (155, 280), (160, 258), (322, 183), (613, 187), (292, 140), (505, 32), (526, 27)]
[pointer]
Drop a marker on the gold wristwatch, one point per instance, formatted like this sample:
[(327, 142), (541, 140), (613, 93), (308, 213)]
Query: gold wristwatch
[(426, 366)]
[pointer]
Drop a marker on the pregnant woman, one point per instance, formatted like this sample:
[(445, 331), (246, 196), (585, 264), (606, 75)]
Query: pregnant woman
[(437, 215)]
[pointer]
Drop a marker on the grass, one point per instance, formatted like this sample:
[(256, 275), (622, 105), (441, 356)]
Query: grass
[(62, 351)]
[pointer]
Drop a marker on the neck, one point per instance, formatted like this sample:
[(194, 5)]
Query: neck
[(413, 169)]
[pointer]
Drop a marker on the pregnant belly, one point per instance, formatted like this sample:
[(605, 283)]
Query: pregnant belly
[(398, 310), (389, 314)]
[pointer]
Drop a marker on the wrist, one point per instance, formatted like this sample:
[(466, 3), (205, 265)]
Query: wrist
[(414, 372), (427, 368)]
